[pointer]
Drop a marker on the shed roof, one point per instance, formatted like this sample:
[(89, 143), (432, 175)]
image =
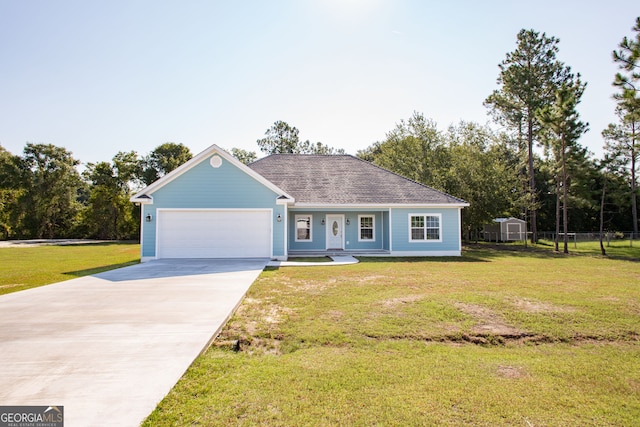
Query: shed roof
[(345, 180), (508, 219)]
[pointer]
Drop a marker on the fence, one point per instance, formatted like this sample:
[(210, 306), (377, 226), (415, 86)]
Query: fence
[(608, 237)]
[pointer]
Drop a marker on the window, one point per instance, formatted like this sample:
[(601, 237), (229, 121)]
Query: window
[(303, 228), (366, 228), (424, 228)]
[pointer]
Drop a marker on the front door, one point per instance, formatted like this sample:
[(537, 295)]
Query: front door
[(335, 226)]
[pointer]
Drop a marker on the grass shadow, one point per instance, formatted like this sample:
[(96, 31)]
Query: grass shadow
[(473, 253), (487, 252), (101, 269), (466, 257), (620, 258), (545, 249), (98, 243)]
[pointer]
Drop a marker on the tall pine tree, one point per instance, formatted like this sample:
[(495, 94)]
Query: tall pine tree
[(562, 124), (529, 78), (621, 140)]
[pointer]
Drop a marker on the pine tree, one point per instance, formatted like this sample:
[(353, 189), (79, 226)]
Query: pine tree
[(562, 123), (622, 140), (529, 78)]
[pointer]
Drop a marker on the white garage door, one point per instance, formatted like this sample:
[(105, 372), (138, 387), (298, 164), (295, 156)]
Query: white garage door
[(214, 234)]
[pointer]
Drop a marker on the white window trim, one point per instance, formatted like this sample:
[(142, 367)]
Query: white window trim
[(373, 228), (310, 239), (425, 240)]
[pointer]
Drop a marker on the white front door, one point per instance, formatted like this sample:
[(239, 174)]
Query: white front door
[(335, 235)]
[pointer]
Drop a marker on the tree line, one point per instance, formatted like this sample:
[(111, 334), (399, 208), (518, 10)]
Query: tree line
[(534, 168), (557, 187), (42, 194)]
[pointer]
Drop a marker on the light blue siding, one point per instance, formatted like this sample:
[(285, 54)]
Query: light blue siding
[(450, 231), (148, 233), (205, 187), (352, 232), (319, 230), (385, 231), (317, 242)]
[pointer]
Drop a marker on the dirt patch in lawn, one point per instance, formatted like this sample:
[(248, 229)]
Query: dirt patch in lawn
[(315, 287), (489, 322), (373, 278), (394, 302), (532, 306), (334, 315), (511, 372), (253, 329), (10, 286)]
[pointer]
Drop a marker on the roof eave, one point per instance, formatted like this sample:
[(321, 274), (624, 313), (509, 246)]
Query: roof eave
[(285, 200), (142, 199), (379, 205)]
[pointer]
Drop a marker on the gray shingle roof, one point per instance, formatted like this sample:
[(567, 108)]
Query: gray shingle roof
[(344, 179)]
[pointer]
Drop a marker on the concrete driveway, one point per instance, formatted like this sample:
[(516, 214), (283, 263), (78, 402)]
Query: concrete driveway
[(109, 347)]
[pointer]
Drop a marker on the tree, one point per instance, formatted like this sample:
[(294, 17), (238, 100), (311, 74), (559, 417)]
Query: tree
[(163, 159), (109, 214), (319, 148), (561, 122), (529, 77), (479, 174), (610, 167), (415, 149), (622, 140), (10, 191), (51, 187), (371, 152), (627, 58), (621, 144), (468, 161), (244, 156), (281, 138)]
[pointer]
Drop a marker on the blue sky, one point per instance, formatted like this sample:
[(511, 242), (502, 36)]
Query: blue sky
[(102, 77)]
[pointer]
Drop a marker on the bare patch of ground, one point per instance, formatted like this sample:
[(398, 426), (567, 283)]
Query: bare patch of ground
[(489, 322), (394, 302), (373, 278), (315, 287), (532, 306), (334, 315), (510, 372), (9, 286), (275, 314), (256, 333)]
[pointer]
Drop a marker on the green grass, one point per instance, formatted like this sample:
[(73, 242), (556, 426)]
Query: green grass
[(497, 337), (614, 249), (24, 268)]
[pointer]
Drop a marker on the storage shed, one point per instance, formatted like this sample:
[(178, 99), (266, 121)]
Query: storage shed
[(506, 230)]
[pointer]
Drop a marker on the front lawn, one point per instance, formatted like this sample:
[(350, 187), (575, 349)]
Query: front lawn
[(497, 337), (29, 267)]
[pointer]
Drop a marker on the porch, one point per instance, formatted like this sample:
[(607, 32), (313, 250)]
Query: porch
[(344, 231), (338, 253)]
